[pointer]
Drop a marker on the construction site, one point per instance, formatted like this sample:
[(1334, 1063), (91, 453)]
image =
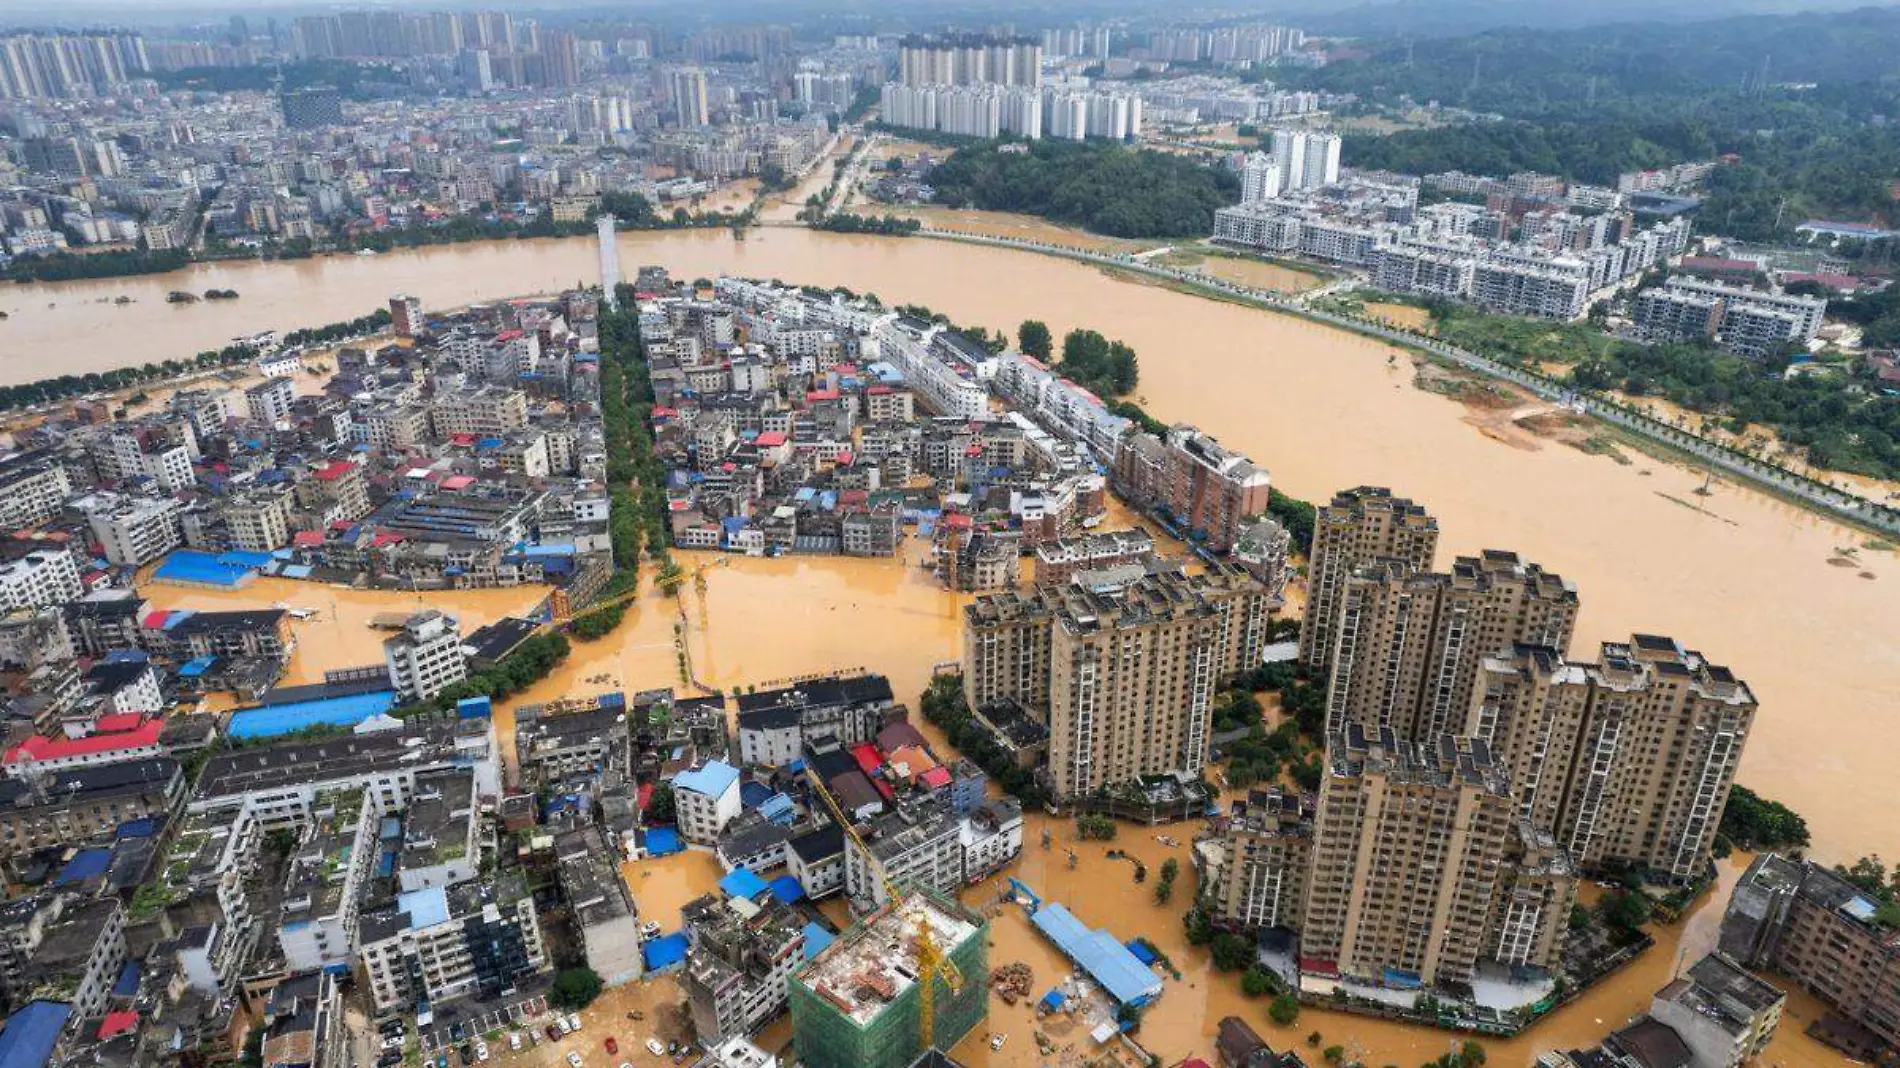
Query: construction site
[(909, 977)]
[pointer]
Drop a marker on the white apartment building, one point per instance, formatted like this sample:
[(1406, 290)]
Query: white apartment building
[(133, 530), (1260, 179), (259, 520), (270, 400), (426, 657), (1307, 160), (705, 799), (944, 388), (32, 492), (42, 577)]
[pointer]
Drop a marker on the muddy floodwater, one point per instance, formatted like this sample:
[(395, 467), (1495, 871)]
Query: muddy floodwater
[(1754, 583), (1751, 581), (762, 620)]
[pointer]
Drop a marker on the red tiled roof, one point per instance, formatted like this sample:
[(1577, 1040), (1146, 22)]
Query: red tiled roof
[(307, 539), (41, 748), (118, 1023), (936, 778), (117, 723), (333, 471), (867, 758), (771, 438)]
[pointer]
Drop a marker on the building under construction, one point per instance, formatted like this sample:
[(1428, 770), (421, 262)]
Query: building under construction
[(858, 1002)]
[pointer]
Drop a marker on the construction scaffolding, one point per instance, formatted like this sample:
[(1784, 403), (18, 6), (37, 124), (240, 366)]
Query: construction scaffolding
[(858, 1002)]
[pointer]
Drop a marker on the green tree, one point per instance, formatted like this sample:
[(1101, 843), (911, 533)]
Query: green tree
[(575, 988), (1164, 891), (1200, 930), (1170, 868), (1334, 1054), (660, 808), (1472, 1054), (1232, 952), (1753, 822), (1285, 1009), (1258, 982), (1034, 339), (1625, 910)]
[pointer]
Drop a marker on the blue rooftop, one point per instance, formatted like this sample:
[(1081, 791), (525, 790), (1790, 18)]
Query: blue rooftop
[(713, 780), (662, 841), (1107, 961), (128, 981), (346, 711), (143, 827), (662, 953), (779, 809), (29, 1035), (85, 864), (201, 569), (426, 908), (741, 882), (787, 889), (816, 939)]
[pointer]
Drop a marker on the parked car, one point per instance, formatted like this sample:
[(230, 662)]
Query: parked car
[(481, 1050), (573, 1021), (612, 1046), (514, 1040), (574, 1059), (654, 1047), (554, 1033), (566, 1028)]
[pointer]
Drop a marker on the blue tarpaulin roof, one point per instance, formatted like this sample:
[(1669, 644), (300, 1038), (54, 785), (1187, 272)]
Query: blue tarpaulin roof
[(139, 828), (188, 565), (345, 711), (754, 794), (1141, 951), (191, 669), (28, 1038), (779, 809), (743, 883), (787, 889), (664, 952), (85, 864), (1053, 1000), (1107, 961), (662, 841), (816, 939), (128, 981)]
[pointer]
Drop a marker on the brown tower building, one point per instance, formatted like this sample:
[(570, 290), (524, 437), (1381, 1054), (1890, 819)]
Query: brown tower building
[(1660, 744), (1268, 847), (1360, 527), (1125, 674), (1408, 848), (1408, 645)]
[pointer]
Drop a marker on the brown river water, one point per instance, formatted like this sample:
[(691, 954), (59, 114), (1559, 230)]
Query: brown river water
[(1743, 577)]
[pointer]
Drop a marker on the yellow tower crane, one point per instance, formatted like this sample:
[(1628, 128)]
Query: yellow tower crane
[(932, 963)]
